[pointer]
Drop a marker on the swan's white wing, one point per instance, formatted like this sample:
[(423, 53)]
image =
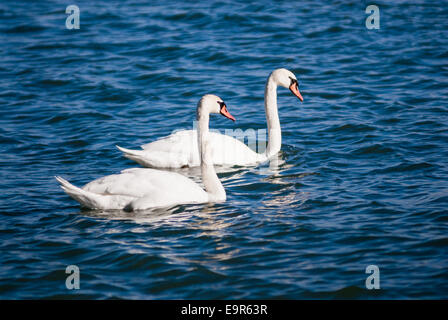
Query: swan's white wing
[(229, 151), (181, 141), (177, 150), (95, 200), (181, 149), (158, 188)]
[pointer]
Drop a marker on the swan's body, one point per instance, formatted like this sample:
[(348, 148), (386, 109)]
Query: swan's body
[(181, 149), (138, 188)]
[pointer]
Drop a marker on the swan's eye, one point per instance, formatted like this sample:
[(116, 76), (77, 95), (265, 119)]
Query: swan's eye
[(221, 104), (294, 81)]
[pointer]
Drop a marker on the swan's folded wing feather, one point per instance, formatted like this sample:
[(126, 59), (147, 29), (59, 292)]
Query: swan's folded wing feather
[(184, 141), (181, 149), (174, 151), (164, 186), (227, 150)]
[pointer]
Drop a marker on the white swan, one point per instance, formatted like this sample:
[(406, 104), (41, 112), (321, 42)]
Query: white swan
[(180, 148), (140, 188)]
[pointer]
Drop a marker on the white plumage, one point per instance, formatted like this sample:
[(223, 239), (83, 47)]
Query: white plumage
[(181, 148), (140, 188)]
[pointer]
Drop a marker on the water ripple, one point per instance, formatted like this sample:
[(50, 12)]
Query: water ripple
[(362, 179)]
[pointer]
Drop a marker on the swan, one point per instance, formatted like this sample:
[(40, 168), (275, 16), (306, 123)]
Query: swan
[(180, 148), (143, 188)]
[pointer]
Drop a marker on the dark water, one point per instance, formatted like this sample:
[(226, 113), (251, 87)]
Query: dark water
[(365, 177)]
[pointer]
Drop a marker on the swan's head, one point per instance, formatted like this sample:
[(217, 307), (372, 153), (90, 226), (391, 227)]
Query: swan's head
[(213, 104), (287, 79)]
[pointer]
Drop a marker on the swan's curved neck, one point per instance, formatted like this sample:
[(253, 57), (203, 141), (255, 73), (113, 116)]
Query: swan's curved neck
[(274, 129), (210, 179)]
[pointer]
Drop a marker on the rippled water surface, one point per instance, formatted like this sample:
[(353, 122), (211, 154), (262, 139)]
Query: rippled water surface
[(364, 179)]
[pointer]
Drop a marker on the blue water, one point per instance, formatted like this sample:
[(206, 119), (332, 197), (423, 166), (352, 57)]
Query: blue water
[(364, 179)]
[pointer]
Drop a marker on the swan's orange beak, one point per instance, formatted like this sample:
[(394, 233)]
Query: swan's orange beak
[(226, 113), (295, 90)]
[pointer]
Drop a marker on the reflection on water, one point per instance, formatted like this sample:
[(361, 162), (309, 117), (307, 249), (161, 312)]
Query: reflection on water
[(286, 201), (205, 221), (143, 216), (176, 216)]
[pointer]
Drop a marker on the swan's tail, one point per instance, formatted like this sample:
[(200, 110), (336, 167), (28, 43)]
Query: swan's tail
[(138, 156), (85, 198)]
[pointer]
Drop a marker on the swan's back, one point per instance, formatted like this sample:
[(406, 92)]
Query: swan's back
[(181, 149)]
